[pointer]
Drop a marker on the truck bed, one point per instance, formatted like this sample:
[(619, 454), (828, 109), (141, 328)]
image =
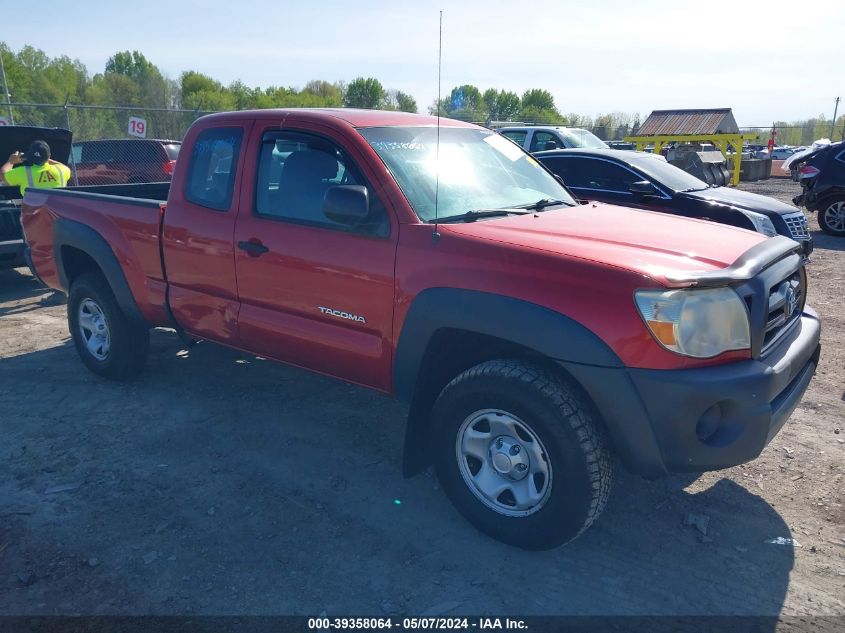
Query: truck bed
[(124, 228), (149, 190), (11, 235)]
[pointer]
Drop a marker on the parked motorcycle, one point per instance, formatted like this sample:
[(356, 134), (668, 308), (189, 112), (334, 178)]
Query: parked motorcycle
[(822, 177)]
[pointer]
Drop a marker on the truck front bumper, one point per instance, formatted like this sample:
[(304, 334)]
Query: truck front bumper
[(694, 420)]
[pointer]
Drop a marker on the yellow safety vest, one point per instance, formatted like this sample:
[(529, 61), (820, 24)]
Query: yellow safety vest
[(46, 176)]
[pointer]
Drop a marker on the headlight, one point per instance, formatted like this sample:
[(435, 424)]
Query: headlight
[(699, 323), (762, 224)]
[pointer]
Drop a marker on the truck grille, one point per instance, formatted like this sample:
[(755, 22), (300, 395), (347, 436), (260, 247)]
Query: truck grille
[(797, 225), (786, 301)]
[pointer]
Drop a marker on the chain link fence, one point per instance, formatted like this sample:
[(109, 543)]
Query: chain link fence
[(111, 145), (117, 145)]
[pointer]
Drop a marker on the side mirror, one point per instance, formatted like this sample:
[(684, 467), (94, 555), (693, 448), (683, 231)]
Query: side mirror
[(346, 204), (550, 145), (643, 188)]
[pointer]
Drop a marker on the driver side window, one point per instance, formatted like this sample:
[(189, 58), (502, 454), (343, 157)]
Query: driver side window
[(295, 170)]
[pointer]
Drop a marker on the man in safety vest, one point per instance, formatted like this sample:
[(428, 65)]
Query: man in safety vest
[(35, 168)]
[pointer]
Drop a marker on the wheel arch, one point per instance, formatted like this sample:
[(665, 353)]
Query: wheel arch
[(830, 195), (79, 249), (449, 330)]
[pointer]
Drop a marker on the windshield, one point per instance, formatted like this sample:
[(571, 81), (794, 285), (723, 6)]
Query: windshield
[(668, 175), (478, 169), (576, 137)]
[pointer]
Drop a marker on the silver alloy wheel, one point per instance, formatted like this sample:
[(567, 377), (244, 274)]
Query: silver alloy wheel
[(503, 462), (94, 329), (834, 216)]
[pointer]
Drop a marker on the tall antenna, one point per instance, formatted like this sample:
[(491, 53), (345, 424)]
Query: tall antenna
[(436, 233)]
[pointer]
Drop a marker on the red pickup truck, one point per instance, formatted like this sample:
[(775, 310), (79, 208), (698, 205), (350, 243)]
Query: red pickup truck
[(532, 335)]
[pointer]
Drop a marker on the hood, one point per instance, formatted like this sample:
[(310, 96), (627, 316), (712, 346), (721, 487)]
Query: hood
[(18, 138), (645, 242), (742, 200)]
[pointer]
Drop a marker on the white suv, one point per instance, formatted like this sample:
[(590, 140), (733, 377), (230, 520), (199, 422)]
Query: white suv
[(782, 153), (535, 138)]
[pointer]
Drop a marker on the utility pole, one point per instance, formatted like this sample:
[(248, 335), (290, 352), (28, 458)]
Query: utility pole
[(835, 110), (6, 94)]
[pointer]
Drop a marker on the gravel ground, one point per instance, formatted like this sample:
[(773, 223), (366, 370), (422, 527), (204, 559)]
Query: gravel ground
[(219, 483)]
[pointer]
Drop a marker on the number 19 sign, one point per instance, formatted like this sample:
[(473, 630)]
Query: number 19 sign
[(137, 127)]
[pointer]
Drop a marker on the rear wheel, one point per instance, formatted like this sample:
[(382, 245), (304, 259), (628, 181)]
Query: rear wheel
[(109, 343), (520, 454), (832, 216)]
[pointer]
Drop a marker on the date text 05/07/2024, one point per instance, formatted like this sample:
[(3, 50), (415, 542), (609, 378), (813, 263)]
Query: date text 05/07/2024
[(420, 623)]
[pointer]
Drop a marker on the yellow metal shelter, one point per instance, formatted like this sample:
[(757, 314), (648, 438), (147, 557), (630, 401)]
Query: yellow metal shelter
[(721, 141)]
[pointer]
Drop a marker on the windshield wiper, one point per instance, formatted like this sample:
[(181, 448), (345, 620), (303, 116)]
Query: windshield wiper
[(541, 204), (475, 214)]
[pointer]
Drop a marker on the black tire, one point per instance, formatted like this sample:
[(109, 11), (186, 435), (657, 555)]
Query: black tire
[(128, 341), (831, 215), (564, 421)]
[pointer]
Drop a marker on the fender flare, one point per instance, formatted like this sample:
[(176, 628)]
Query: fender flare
[(551, 334), (84, 238), (536, 327)]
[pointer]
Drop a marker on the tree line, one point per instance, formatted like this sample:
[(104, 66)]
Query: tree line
[(130, 79)]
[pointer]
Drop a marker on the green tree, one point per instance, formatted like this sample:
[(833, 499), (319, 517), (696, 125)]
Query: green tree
[(533, 114), (398, 100), (329, 94), (153, 89), (405, 102), (114, 90), (466, 103), (244, 97), (539, 99), (364, 93), (201, 92), (538, 106), (196, 82), (500, 105)]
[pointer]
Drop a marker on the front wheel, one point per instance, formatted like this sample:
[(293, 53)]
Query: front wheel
[(520, 454), (832, 216), (108, 342)]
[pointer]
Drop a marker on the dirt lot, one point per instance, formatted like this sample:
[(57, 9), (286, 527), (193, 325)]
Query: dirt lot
[(222, 484)]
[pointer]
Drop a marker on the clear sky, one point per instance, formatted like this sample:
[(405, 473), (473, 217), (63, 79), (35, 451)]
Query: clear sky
[(767, 60)]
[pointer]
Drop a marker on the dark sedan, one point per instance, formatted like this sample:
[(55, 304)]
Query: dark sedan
[(647, 181), (822, 178)]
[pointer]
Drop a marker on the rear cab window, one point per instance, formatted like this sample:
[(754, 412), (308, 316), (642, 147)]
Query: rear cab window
[(211, 174)]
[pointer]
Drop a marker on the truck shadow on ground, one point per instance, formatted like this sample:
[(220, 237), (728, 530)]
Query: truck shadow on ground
[(18, 284), (220, 483)]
